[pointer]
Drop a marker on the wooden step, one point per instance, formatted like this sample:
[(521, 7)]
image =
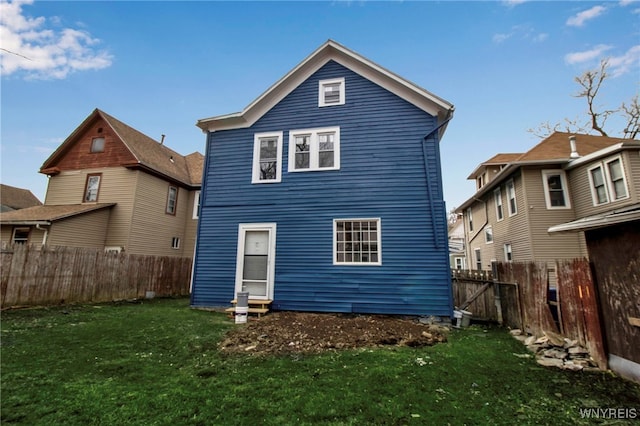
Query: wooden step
[(255, 302), (250, 310)]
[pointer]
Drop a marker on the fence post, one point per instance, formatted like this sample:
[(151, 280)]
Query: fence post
[(496, 291)]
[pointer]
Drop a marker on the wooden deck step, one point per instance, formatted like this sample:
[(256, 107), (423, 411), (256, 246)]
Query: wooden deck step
[(256, 306), (249, 310)]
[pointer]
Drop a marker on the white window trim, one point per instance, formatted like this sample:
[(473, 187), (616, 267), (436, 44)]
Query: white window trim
[(609, 182), (510, 251), (323, 83), (565, 189), (175, 243), (488, 231), (515, 198), (255, 175), (478, 259), (196, 204), (18, 229), (379, 241), (470, 219), (497, 196), (313, 149), (592, 186)]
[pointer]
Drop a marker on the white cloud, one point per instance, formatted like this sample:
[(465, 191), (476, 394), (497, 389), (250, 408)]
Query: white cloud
[(499, 38), (513, 3), (623, 64), (524, 32), (580, 18), (27, 45), (618, 65), (586, 55)]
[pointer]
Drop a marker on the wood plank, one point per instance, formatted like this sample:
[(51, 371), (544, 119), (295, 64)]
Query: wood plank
[(250, 310)]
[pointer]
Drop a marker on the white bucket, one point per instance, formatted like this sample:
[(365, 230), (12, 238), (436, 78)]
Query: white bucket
[(457, 318), (241, 314), (466, 318)]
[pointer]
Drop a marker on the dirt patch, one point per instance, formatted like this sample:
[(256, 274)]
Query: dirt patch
[(297, 332)]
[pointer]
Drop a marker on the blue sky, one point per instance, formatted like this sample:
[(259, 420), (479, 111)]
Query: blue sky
[(507, 66)]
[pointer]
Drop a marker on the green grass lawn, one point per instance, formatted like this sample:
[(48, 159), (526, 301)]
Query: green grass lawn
[(157, 363)]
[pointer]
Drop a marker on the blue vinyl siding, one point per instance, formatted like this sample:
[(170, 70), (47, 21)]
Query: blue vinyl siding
[(382, 175)]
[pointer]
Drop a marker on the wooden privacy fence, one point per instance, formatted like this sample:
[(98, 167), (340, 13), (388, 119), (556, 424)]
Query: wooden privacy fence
[(518, 295), (56, 275)]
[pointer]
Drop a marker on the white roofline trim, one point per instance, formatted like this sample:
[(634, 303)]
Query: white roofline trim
[(330, 50), (597, 221)]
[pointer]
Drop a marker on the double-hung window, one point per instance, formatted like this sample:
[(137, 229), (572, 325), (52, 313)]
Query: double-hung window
[(555, 189), (470, 219), (617, 183), (357, 242), (331, 92), (488, 235), (608, 182), (497, 196), (172, 200), (267, 158), (598, 185), (511, 198), (314, 149), (508, 255), (92, 187)]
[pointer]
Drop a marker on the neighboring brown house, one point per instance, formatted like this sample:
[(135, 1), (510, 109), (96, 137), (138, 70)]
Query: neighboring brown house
[(12, 198), (555, 202), (112, 187), (520, 196)]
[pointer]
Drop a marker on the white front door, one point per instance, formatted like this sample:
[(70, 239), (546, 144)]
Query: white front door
[(255, 265)]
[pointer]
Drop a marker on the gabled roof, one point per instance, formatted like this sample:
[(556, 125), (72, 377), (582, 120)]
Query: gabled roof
[(554, 150), (149, 153), (12, 198), (328, 51), (496, 160), (557, 147), (46, 214)]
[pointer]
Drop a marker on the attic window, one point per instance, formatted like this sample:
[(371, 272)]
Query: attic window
[(97, 145), (331, 92)]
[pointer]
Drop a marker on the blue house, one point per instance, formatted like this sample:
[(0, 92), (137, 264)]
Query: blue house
[(325, 194)]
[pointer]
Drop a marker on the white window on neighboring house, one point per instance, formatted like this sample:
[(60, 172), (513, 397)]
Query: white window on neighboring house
[(267, 158), (608, 182), (331, 92), (470, 219), (598, 185), (617, 182), (511, 198), (478, 259), (459, 262), (92, 188), (555, 189), (175, 242), (497, 196), (314, 149), (357, 242), (97, 145), (508, 256), (488, 235), (20, 235), (172, 200), (196, 205)]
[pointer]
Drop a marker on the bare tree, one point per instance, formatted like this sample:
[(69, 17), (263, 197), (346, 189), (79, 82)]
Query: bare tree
[(591, 82)]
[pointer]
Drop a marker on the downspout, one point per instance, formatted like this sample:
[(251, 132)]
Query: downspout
[(431, 200), (46, 233), (426, 172)]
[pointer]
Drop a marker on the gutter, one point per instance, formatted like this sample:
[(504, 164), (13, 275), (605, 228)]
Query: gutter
[(46, 233), (426, 171)]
